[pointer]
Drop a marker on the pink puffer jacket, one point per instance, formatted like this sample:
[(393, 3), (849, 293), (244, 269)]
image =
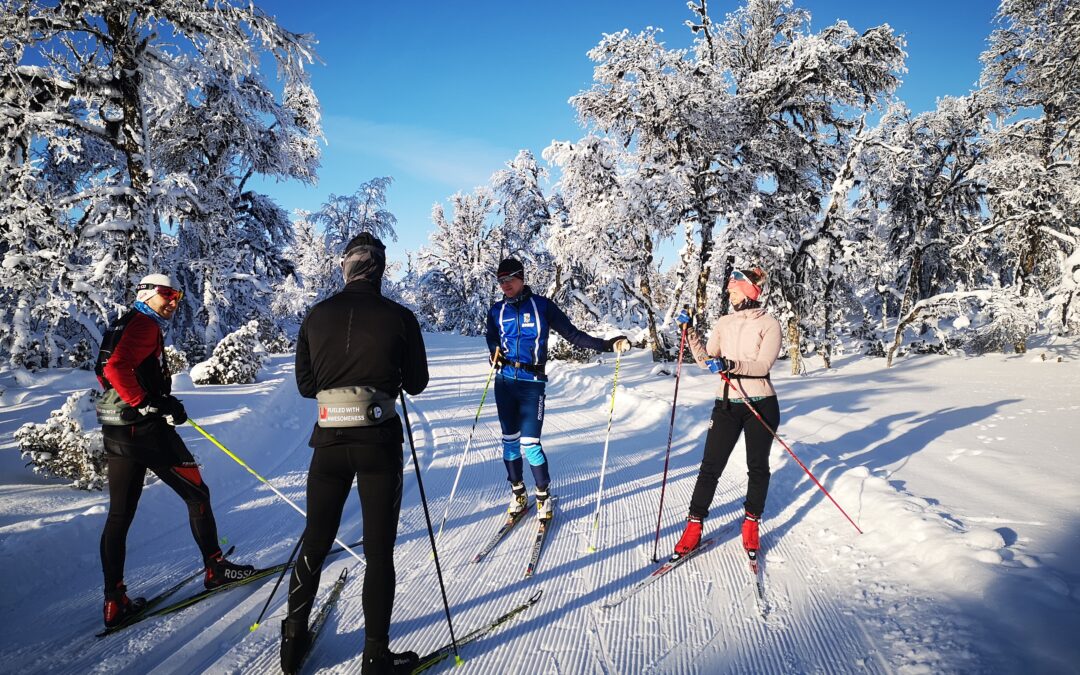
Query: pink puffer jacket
[(750, 338)]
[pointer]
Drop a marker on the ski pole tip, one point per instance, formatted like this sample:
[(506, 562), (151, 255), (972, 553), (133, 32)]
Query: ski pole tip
[(592, 549), (458, 660), (253, 627)]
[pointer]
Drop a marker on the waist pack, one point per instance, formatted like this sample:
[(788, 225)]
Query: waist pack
[(354, 407), (110, 408)]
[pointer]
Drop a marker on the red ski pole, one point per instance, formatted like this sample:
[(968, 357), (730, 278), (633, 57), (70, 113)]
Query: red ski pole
[(667, 455), (746, 400)]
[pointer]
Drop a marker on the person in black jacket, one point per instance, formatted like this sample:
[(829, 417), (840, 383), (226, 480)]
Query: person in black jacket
[(356, 351)]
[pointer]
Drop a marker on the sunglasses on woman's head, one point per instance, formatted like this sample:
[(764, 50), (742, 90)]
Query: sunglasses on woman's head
[(737, 275)]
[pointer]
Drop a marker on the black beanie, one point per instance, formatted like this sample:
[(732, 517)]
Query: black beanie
[(365, 258), (510, 267)]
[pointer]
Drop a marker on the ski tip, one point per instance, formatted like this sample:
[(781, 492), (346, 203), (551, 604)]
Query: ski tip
[(536, 596), (458, 660)]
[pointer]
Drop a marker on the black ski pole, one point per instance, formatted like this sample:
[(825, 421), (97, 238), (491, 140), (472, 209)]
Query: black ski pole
[(431, 532), (667, 455), (273, 591)]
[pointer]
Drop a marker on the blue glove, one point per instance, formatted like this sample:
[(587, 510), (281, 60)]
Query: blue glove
[(683, 319), (720, 365)]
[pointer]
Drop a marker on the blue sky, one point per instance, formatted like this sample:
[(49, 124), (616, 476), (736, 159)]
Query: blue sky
[(439, 95)]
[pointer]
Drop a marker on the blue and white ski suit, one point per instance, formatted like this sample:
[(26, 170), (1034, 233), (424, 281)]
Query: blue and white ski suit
[(518, 327)]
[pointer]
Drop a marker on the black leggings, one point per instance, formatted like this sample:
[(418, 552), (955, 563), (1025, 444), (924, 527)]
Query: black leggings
[(377, 469), (126, 476), (728, 421)]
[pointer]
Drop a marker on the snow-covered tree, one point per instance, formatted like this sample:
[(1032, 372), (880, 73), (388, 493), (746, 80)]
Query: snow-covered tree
[(237, 359), (674, 108), (755, 128), (919, 172), (146, 119), (617, 215), (456, 271), (316, 273), (1030, 67), (799, 97), (344, 217), (68, 444), (528, 215)]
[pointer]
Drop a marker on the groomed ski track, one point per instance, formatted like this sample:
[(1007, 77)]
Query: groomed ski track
[(831, 607)]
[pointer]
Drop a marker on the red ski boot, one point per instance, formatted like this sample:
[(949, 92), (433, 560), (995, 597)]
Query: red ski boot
[(691, 536), (750, 539), (119, 607)]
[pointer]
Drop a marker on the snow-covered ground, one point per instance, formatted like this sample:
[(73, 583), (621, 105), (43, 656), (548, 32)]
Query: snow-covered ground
[(962, 473)]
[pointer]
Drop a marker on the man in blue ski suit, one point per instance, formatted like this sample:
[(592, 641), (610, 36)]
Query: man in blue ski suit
[(517, 331)]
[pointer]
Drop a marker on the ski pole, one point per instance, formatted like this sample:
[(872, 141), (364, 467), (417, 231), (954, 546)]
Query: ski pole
[(603, 463), (277, 583), (468, 444), (265, 482), (746, 400), (671, 430), (431, 533)]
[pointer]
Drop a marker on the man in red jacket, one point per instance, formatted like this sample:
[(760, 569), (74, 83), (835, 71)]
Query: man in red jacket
[(138, 415)]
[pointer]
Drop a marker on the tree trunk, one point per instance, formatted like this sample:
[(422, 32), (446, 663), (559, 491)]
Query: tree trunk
[(130, 140), (645, 287), (794, 341), (902, 318)]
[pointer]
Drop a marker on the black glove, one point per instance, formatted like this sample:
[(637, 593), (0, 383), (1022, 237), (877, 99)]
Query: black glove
[(618, 344), (172, 410), (168, 407)]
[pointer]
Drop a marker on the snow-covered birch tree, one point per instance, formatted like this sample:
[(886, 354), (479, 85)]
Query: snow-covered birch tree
[(617, 214), (106, 94), (1031, 69)]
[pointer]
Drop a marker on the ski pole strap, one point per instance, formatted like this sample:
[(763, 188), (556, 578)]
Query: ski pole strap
[(354, 407)]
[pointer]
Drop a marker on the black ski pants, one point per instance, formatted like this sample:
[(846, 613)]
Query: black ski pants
[(126, 477), (729, 419), (377, 469)]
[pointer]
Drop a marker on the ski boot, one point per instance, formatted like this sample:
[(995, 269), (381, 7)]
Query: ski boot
[(750, 539), (519, 500), (379, 660), (691, 536), (295, 642), (220, 571), (119, 607), (544, 507)]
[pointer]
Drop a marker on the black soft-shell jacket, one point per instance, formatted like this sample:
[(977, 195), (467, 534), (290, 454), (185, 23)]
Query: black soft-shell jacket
[(359, 338)]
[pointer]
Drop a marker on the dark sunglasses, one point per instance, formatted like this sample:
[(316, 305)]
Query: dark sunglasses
[(508, 277)]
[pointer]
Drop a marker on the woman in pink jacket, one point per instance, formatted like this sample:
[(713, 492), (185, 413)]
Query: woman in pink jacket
[(743, 346)]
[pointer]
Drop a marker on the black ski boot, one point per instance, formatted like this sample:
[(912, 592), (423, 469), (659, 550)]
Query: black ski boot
[(220, 571), (379, 660), (295, 642), (119, 607)]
